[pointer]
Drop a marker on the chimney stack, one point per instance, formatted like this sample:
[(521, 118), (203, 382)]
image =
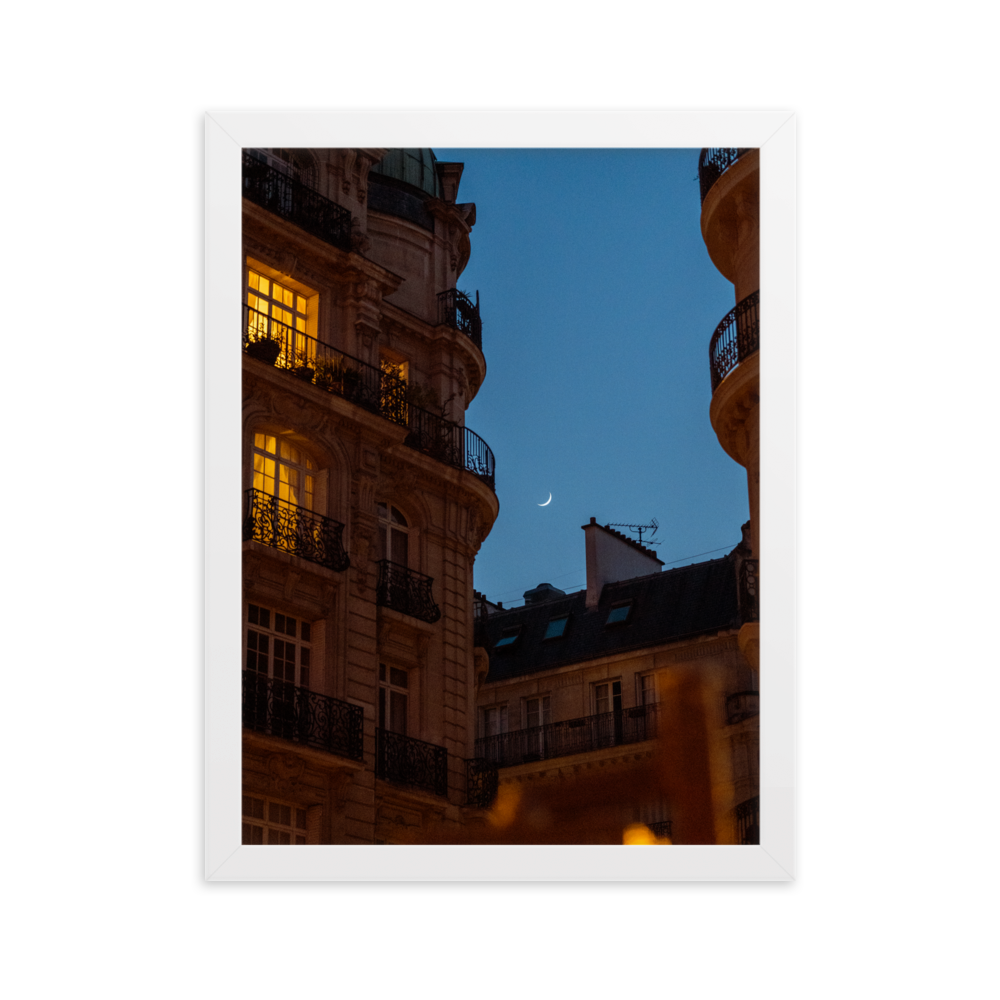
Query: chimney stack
[(612, 556)]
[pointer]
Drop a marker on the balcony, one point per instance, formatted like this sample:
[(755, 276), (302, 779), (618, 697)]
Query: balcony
[(292, 200), (742, 705), (661, 828), (735, 339), (560, 739), (316, 362), (277, 708), (411, 762), (749, 591), (290, 528), (713, 163), (406, 591), (457, 310), (482, 782)]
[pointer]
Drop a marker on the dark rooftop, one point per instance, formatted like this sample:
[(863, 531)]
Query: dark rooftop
[(687, 601)]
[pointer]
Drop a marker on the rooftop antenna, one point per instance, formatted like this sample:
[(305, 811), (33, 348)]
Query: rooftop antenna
[(639, 529)]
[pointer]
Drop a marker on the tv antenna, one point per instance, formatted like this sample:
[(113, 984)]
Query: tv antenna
[(639, 529)]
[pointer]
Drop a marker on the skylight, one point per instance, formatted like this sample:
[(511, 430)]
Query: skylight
[(557, 628), (619, 615), (508, 638)]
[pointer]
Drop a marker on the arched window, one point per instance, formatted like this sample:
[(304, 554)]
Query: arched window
[(393, 535), (282, 470)]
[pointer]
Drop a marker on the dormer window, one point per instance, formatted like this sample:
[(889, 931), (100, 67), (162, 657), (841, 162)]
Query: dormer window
[(556, 628), (509, 638), (619, 614)]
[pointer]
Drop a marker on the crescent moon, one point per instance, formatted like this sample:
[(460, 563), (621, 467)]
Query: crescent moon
[(547, 502)]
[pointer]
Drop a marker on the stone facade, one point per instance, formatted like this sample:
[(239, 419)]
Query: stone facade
[(359, 684)]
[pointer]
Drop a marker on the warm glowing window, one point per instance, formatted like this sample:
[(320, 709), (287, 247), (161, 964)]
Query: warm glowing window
[(276, 311), (282, 470), (268, 822)]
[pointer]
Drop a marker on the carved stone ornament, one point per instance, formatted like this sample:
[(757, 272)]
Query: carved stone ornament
[(365, 487), (349, 157), (284, 771)]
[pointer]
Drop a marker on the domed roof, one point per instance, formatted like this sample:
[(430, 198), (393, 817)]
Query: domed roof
[(417, 167)]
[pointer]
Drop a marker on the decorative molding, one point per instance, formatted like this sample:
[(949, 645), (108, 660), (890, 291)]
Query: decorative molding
[(284, 771), (711, 648)]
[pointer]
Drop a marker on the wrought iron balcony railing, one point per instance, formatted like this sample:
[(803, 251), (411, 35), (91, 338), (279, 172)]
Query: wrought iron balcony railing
[(713, 163), (411, 762), (286, 526), (278, 708), (661, 828), (749, 590), (742, 705), (748, 821), (458, 310), (482, 782), (292, 200), (377, 391), (451, 443), (735, 338), (320, 363), (407, 591), (560, 739)]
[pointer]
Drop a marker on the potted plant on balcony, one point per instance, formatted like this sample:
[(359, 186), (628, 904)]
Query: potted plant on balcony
[(304, 368), (264, 349)]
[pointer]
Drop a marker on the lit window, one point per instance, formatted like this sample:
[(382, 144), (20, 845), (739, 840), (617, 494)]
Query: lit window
[(619, 615), (277, 312), (556, 628), (268, 822), (282, 470), (393, 692)]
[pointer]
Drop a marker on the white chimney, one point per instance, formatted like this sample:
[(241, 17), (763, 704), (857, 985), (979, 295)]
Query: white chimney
[(612, 556)]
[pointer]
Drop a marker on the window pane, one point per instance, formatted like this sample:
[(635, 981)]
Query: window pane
[(397, 677)]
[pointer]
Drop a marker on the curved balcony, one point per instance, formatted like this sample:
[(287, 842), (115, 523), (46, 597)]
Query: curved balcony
[(277, 708), (290, 528), (406, 591), (411, 762), (292, 200), (322, 365), (735, 339), (457, 310), (713, 163)]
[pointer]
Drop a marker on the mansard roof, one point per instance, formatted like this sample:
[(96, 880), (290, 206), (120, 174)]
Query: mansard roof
[(663, 607)]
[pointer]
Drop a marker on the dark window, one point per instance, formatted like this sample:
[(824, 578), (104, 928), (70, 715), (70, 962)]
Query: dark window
[(619, 615), (557, 628)]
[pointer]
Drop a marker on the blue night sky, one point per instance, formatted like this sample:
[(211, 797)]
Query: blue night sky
[(598, 302)]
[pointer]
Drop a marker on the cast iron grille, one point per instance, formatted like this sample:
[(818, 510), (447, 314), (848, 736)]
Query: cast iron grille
[(560, 739), (482, 782), (748, 821), (457, 310), (742, 705), (411, 762), (320, 363), (278, 708), (661, 828), (292, 200), (749, 590), (452, 444), (406, 591), (735, 338), (713, 163), (286, 526)]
